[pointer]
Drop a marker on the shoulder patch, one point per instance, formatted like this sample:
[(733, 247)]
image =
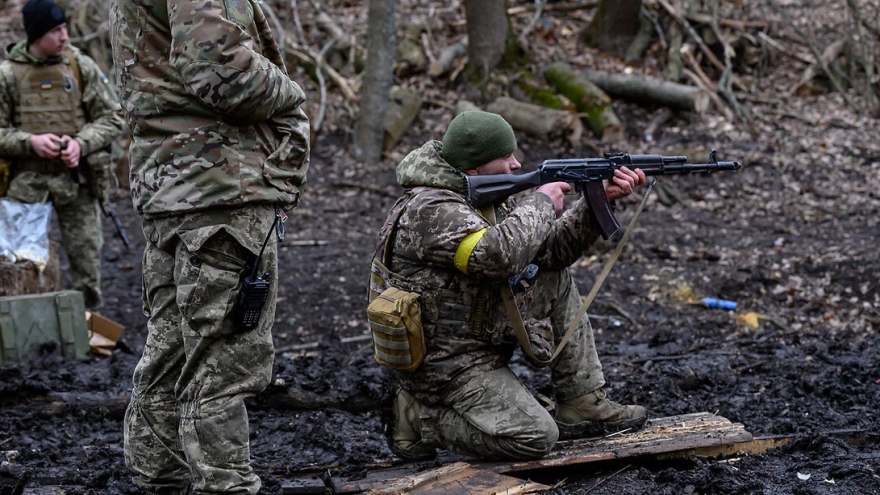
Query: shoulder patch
[(104, 79), (239, 11)]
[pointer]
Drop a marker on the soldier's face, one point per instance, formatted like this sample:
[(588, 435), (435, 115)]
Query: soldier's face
[(506, 164), (52, 43)]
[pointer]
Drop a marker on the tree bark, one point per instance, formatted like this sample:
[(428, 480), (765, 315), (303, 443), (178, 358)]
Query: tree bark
[(378, 78), (614, 25), (491, 42)]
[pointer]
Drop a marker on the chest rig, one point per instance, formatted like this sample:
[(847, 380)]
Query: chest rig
[(49, 100), (460, 307)]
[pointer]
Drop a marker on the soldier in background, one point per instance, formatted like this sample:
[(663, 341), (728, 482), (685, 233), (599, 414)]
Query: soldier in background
[(58, 116), (220, 150)]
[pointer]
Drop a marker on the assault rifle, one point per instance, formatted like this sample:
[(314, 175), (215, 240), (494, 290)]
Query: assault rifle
[(109, 211), (586, 174), (99, 181)]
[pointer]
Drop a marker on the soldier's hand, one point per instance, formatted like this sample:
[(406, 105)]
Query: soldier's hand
[(623, 183), (70, 151), (46, 145), (556, 192)]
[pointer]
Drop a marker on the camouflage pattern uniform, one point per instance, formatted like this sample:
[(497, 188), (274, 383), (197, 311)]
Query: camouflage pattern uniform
[(219, 141), (93, 117), (471, 403)]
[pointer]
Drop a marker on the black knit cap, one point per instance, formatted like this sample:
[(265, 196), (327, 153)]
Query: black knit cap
[(41, 16)]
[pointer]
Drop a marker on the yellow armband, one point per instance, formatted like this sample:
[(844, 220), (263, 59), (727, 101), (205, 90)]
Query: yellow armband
[(463, 253)]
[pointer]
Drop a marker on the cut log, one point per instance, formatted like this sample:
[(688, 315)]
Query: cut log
[(546, 124), (648, 90), (593, 103)]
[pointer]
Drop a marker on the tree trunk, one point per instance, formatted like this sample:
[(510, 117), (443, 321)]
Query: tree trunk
[(614, 26), (378, 78), (491, 42)]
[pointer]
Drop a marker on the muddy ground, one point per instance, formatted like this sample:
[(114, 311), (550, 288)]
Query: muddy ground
[(791, 237)]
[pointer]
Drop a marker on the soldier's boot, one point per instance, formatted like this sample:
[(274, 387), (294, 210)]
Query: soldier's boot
[(404, 431), (594, 414)]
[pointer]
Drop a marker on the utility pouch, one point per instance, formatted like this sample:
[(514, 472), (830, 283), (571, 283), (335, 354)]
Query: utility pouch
[(396, 325)]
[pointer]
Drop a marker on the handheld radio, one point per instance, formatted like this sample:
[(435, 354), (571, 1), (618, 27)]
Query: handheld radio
[(255, 288)]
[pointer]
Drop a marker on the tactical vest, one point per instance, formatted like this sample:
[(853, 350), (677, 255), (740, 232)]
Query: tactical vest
[(452, 310), (50, 100)]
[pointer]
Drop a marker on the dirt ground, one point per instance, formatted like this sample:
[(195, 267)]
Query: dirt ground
[(791, 237)]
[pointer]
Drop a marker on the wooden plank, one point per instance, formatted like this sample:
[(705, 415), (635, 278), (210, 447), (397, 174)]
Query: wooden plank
[(660, 435), (754, 446), (684, 433), (404, 484), (476, 480), (459, 478)]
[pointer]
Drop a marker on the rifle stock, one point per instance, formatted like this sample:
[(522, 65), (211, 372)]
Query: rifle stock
[(587, 176)]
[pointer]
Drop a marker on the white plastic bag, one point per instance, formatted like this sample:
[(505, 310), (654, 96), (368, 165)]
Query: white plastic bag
[(24, 232)]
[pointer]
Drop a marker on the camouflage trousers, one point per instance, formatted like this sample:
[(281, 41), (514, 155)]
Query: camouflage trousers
[(187, 422), (80, 224), (494, 416)]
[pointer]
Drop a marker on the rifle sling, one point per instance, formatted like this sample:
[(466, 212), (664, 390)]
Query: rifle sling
[(519, 328), (513, 314)]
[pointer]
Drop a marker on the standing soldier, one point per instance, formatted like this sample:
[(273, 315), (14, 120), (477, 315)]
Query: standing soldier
[(220, 150), (58, 115)]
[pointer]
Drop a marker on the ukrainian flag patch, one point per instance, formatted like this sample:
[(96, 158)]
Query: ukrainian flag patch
[(46, 85), (104, 79)]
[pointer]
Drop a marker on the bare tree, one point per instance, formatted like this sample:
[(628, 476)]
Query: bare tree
[(378, 77), (491, 42), (614, 25)]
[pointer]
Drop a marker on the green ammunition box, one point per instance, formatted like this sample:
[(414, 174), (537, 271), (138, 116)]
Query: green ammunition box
[(29, 321)]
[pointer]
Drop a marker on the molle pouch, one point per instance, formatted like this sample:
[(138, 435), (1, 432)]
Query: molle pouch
[(396, 325)]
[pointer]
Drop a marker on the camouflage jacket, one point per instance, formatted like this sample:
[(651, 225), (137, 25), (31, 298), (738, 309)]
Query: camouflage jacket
[(103, 116), (215, 120), (429, 233)]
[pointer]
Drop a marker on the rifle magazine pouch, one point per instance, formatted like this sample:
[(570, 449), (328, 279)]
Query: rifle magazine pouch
[(396, 326)]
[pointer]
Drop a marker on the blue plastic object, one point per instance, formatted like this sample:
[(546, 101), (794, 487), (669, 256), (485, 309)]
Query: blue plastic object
[(719, 303)]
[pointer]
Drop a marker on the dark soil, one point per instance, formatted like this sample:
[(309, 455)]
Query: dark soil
[(791, 237)]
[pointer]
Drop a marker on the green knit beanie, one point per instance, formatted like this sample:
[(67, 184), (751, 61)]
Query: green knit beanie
[(476, 138)]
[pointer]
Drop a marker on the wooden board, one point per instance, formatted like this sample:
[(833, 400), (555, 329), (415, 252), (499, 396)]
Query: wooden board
[(685, 433), (660, 435)]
